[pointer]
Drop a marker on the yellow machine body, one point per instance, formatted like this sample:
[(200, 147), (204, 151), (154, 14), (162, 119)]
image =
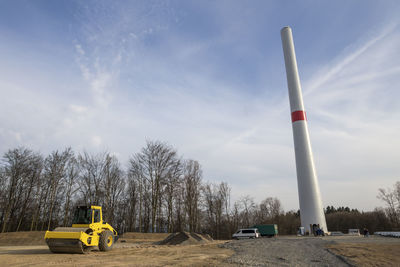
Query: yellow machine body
[(82, 236)]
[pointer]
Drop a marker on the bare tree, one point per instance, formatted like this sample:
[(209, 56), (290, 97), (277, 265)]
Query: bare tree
[(209, 203), (225, 192), (192, 175), (137, 183), (36, 166), (92, 177), (248, 205), (236, 222), (173, 183), (270, 209), (157, 162), (179, 204), (18, 175), (132, 202), (71, 186), (113, 185), (55, 172), (392, 199), (3, 185)]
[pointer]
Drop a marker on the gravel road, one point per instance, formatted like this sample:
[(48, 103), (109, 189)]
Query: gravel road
[(283, 251)]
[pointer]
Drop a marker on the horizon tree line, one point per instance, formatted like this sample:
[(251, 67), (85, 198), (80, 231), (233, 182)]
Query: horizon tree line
[(159, 191)]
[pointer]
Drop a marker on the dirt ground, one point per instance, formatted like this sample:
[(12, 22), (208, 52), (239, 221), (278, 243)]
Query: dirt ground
[(136, 249), (28, 249), (190, 255), (372, 251)]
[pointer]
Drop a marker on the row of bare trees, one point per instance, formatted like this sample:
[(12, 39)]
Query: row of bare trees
[(157, 192), (38, 193)]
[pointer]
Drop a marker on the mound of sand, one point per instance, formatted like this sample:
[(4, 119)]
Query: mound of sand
[(208, 237), (34, 238), (185, 238), (144, 236)]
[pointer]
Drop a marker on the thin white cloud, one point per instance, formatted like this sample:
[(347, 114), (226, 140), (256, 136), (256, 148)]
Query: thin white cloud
[(96, 141), (99, 79), (78, 109), (79, 49), (328, 73)]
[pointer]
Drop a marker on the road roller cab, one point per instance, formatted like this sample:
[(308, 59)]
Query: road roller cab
[(88, 230)]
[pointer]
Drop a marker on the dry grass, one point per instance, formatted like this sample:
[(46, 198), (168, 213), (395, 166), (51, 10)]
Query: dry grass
[(369, 254)]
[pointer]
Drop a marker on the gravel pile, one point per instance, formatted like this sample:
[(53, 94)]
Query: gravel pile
[(185, 238), (282, 251)]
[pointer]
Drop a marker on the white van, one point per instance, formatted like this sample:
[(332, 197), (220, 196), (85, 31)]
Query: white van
[(246, 233)]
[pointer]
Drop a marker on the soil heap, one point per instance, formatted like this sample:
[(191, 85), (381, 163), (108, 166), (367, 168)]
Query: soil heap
[(185, 238), (22, 238)]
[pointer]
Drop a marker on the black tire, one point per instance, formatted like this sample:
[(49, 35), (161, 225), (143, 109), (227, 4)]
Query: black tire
[(106, 240)]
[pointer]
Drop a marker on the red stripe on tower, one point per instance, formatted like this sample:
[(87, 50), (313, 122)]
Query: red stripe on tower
[(299, 115)]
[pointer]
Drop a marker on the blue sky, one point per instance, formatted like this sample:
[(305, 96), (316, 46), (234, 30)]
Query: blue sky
[(208, 77)]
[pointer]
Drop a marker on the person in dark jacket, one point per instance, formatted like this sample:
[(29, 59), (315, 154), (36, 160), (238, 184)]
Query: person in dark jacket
[(366, 233)]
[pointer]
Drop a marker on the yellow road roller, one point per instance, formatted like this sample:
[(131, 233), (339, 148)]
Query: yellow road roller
[(88, 231)]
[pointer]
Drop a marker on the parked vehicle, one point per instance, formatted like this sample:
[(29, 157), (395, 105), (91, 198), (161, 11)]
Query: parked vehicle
[(392, 234), (354, 232), (269, 230), (246, 233), (335, 233)]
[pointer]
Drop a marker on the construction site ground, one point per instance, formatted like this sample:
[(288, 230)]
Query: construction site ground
[(138, 249)]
